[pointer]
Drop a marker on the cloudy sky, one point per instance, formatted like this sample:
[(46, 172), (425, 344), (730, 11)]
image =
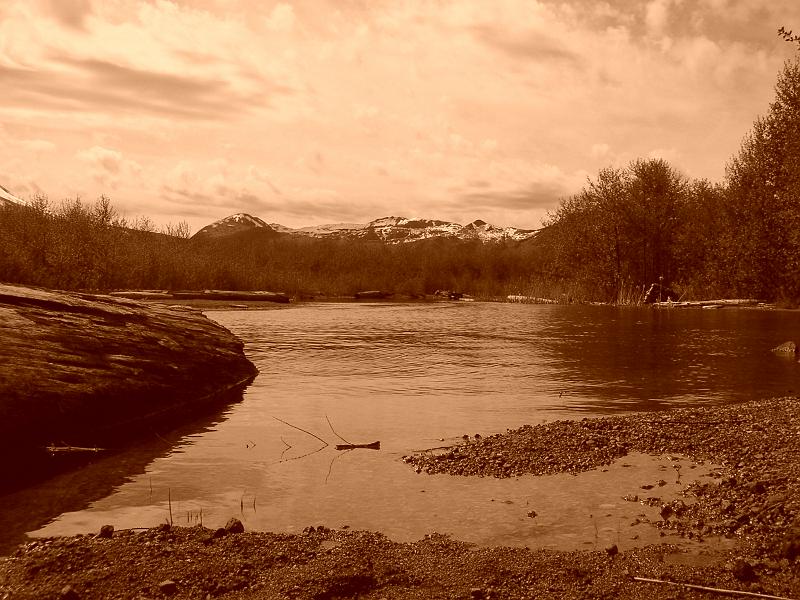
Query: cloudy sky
[(306, 112)]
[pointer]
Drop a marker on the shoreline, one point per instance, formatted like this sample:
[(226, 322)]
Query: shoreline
[(755, 501)]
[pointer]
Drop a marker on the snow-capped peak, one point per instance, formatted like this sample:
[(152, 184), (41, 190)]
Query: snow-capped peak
[(232, 224), (402, 229), (7, 197)]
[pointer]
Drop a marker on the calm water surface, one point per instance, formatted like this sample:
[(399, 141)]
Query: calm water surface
[(416, 376)]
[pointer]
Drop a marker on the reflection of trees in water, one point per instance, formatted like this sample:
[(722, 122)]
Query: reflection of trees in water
[(30, 508), (612, 359)]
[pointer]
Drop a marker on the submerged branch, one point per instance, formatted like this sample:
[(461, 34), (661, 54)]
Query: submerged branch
[(334, 431), (303, 430)]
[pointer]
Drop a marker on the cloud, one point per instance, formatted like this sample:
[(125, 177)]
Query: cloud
[(72, 13), (536, 196), (108, 167), (671, 155), (657, 15), (97, 85), (281, 18), (530, 45), (600, 150), (38, 146)]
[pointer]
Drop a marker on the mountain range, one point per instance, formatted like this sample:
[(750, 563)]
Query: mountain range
[(387, 229), (393, 230)]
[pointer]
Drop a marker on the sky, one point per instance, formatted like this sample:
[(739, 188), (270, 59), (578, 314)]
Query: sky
[(305, 112)]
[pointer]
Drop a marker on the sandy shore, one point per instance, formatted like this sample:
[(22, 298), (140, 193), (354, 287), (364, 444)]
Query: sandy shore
[(755, 501)]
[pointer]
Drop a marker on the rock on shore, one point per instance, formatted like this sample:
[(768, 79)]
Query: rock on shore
[(83, 370)]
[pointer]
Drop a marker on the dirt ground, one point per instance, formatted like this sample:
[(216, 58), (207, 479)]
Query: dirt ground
[(755, 501)]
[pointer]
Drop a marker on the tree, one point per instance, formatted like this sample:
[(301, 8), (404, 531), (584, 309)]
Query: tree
[(763, 184), (620, 232)]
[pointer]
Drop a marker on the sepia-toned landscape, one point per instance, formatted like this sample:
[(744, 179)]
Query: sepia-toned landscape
[(316, 299)]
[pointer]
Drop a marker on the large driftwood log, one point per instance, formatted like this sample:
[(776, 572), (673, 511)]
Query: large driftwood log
[(83, 370)]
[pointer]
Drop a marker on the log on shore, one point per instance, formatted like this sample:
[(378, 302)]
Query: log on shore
[(704, 303), (203, 295), (83, 370)]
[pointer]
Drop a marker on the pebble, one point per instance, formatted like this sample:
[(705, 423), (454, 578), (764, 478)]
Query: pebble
[(234, 525), (106, 531), (168, 587)]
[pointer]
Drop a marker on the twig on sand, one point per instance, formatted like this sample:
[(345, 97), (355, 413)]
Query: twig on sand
[(435, 448), (710, 589)]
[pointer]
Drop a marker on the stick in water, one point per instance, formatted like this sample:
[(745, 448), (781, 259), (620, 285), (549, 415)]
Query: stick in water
[(303, 430), (334, 431)]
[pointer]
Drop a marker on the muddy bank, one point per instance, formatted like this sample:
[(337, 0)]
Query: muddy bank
[(86, 371), (754, 500)]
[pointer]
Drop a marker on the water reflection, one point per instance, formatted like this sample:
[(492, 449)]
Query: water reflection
[(614, 359), (76, 489)]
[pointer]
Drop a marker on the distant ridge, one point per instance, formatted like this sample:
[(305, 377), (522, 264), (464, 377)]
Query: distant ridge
[(386, 229), (238, 223), (7, 198)]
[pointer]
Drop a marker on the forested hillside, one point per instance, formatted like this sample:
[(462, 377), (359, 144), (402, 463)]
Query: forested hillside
[(77, 246), (629, 227)]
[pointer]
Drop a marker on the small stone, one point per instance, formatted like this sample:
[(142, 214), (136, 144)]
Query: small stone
[(168, 587), (68, 593), (106, 531), (234, 525), (532, 514), (612, 550), (743, 570), (786, 348), (476, 593)]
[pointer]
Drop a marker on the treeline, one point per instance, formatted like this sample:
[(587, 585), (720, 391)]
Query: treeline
[(647, 223), (77, 246)]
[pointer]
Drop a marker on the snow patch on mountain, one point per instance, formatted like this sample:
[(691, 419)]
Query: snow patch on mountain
[(393, 230), (233, 224), (6, 198), (402, 229)]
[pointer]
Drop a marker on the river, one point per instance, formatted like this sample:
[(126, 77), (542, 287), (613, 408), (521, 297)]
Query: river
[(417, 376)]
